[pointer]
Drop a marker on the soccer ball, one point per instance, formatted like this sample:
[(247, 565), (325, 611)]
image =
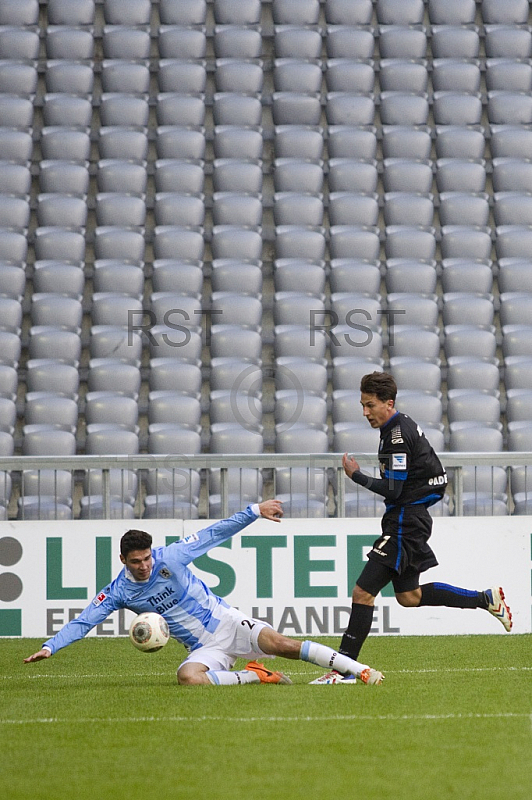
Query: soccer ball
[(149, 632)]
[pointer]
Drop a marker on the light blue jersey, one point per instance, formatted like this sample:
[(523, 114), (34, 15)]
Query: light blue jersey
[(191, 610)]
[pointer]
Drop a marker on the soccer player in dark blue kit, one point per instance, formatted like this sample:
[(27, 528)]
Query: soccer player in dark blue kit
[(412, 478)]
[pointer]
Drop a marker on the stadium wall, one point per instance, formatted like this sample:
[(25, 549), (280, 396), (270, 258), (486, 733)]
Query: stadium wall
[(297, 575)]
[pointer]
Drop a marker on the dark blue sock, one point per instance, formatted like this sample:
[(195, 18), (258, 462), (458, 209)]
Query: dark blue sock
[(357, 630), (442, 594)]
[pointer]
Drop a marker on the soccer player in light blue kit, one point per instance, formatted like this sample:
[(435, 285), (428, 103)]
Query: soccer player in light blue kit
[(214, 633)]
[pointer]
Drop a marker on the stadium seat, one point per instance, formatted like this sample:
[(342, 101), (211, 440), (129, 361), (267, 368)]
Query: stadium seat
[(49, 276), (181, 41), (233, 141), (19, 12), (402, 141), (455, 141), (292, 41), (352, 275), (344, 140), (288, 273), (170, 275), (468, 372), (71, 12), (403, 274), (237, 41), (453, 41), (117, 108), (125, 41), (469, 340), (183, 12), (402, 41)]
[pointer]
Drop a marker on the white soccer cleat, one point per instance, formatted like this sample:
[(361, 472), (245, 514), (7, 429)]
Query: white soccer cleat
[(498, 608), (334, 677), (371, 677)]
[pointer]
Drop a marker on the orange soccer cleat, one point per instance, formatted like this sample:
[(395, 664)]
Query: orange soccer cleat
[(267, 675)]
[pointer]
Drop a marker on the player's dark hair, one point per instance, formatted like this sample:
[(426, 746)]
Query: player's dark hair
[(134, 540), (381, 384)]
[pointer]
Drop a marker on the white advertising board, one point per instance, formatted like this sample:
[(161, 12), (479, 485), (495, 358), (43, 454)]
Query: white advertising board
[(298, 574)]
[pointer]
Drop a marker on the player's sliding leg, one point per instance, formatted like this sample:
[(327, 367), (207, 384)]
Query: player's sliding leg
[(492, 600), (342, 668), (254, 673)]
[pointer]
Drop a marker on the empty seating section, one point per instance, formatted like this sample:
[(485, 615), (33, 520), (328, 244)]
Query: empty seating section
[(216, 216)]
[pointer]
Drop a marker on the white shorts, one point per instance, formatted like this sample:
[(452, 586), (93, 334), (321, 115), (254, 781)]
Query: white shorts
[(235, 637)]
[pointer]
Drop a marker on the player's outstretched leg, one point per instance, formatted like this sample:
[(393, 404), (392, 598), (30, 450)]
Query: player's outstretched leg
[(253, 673), (343, 669)]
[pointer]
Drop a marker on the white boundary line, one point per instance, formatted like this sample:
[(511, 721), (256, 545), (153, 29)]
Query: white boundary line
[(333, 718), (309, 672)]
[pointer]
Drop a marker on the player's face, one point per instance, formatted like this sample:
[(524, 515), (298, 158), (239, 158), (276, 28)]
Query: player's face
[(139, 563), (377, 412)]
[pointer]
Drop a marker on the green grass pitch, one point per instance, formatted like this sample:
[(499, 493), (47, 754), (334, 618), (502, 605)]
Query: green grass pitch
[(453, 719)]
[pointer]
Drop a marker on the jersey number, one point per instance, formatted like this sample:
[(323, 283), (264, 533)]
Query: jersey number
[(247, 622)]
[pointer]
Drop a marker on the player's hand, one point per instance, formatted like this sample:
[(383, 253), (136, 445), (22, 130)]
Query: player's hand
[(350, 465), (44, 653), (272, 510)]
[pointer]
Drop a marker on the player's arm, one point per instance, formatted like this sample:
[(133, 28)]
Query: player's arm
[(197, 544), (95, 613), (389, 487)]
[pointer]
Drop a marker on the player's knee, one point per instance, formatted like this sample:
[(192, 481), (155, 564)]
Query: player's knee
[(187, 678), (409, 599)]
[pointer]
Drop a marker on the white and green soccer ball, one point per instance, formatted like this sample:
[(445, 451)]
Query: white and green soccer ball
[(149, 632)]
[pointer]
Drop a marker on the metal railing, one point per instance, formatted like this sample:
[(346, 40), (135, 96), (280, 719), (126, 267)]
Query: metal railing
[(78, 466)]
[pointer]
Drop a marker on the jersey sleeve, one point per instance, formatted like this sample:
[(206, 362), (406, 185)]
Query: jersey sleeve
[(97, 611), (196, 544)]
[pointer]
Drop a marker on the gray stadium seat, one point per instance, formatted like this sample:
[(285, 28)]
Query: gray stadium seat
[(464, 405), (114, 308), (515, 275), (234, 175), (112, 341), (476, 309), (17, 78), (51, 409), (183, 12), (109, 407), (292, 41), (19, 12), (47, 440), (171, 374), (181, 41), (231, 241), (511, 141), (518, 405), (170, 275), (228, 437), (403, 241), (295, 242), (230, 275), (17, 112), (15, 145), (174, 407), (18, 43), (295, 75), (349, 241), (186, 110), (113, 375), (235, 340), (403, 108), (413, 309), (13, 246), (346, 75), (122, 142), (47, 341), (173, 175), (513, 241), (184, 77), (405, 175), (62, 210), (455, 75), (289, 272), (516, 340), (63, 41), (512, 12), (506, 107), (49, 308), (301, 374), (297, 175), (110, 439), (293, 208), (179, 344), (12, 281), (236, 41), (453, 41), (117, 108), (512, 208), (71, 12), (405, 208), (296, 340), (233, 141), (457, 108), (65, 144), (402, 41), (346, 208), (474, 437), (460, 241), (402, 141), (171, 241), (344, 140), (50, 375), (8, 382), (508, 75), (457, 208), (179, 209), (403, 274), (125, 41), (469, 340), (507, 41), (361, 342), (352, 275), (467, 372), (413, 340), (127, 12), (53, 276), (72, 77), (426, 408), (233, 208), (298, 107), (63, 176), (516, 308), (122, 243), (233, 75), (455, 141), (115, 175), (416, 374)]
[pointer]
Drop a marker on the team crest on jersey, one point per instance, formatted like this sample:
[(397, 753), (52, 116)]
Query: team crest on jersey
[(98, 600), (192, 537), (164, 572), (399, 461)]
